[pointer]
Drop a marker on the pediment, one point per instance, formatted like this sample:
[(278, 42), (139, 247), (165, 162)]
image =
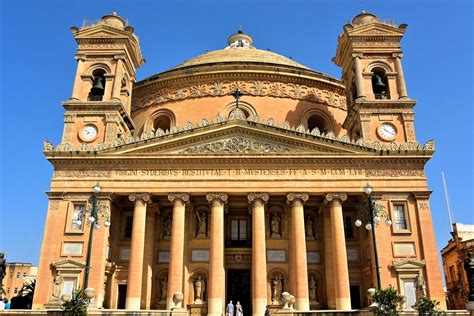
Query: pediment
[(99, 31), (377, 29), (68, 264), (408, 265), (237, 137)]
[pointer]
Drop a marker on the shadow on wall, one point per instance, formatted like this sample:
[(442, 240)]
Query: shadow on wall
[(312, 115)]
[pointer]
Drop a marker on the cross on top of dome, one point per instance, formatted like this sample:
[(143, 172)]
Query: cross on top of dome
[(239, 40)]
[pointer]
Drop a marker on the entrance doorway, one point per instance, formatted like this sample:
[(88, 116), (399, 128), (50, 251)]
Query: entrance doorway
[(122, 295), (238, 289), (355, 297)]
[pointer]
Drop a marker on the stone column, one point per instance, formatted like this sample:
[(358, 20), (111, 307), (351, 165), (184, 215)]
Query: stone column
[(359, 78), (341, 271), (175, 271), (118, 78), (135, 265), (328, 248), (148, 257), (402, 89), (216, 294), (259, 256), (298, 244), (76, 90)]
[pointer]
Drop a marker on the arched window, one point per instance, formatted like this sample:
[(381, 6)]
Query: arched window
[(98, 85), (318, 121), (380, 84), (163, 122)]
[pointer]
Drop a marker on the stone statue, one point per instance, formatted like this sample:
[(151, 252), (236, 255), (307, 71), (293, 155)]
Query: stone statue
[(275, 226), (199, 287), (202, 221), (167, 227), (469, 268), (57, 285), (277, 288), (312, 289), (308, 224), (164, 289), (420, 287)]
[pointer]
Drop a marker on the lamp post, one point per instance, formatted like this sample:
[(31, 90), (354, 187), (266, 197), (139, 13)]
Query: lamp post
[(375, 213), (93, 220)]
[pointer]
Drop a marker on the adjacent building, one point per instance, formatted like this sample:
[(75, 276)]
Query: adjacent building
[(238, 175), (17, 274), (453, 256)]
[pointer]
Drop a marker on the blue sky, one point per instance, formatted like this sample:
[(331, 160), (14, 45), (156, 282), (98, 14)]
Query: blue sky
[(37, 70)]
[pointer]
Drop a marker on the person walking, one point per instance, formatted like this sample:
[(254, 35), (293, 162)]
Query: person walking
[(238, 309), (230, 309), (268, 312)]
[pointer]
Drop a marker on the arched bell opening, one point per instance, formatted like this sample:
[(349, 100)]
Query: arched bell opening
[(380, 85), (98, 85)]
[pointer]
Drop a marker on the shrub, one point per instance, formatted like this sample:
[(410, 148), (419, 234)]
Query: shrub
[(425, 306), (77, 305), (387, 301)]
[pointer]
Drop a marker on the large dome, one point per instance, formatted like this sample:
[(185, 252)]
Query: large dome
[(240, 49)]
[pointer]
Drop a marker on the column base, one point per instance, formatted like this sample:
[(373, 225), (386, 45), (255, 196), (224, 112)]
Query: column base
[(258, 306), (215, 306), (132, 303), (343, 304), (302, 304)]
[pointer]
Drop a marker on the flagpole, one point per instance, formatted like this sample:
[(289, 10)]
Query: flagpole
[(450, 213)]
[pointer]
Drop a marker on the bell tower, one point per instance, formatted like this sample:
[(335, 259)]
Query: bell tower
[(108, 55), (379, 108)]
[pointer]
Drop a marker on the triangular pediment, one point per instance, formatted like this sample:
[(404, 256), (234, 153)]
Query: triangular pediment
[(237, 137), (100, 31), (408, 265), (377, 29), (68, 264)]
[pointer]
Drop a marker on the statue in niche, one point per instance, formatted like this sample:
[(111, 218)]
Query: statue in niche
[(308, 224), (420, 287), (275, 226), (312, 289), (167, 227), (163, 289), (277, 289), (202, 225), (469, 268), (199, 287), (57, 285)]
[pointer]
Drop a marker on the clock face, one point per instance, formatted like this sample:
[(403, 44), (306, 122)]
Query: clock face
[(387, 131), (88, 133)]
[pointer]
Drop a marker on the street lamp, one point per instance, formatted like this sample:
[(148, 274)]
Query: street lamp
[(94, 215), (375, 213)]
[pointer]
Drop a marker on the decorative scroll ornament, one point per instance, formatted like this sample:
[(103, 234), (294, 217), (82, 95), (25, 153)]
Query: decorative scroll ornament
[(297, 196), (146, 98), (184, 197), (252, 197), (339, 196), (236, 145), (221, 197), (237, 114)]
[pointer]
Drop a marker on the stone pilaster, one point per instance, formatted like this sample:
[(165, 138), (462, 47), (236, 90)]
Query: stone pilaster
[(341, 271), (259, 257), (216, 294), (298, 243), (175, 272), (118, 77), (137, 247)]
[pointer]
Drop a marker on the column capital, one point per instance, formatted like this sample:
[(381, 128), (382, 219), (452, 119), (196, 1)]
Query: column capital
[(184, 197), (254, 196), (397, 55), (140, 196), (222, 197), (332, 196), (292, 197), (359, 55), (81, 57)]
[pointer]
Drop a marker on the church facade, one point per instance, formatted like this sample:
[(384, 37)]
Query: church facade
[(238, 175)]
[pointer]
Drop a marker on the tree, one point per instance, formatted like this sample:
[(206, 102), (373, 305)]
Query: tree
[(24, 298), (387, 302)]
